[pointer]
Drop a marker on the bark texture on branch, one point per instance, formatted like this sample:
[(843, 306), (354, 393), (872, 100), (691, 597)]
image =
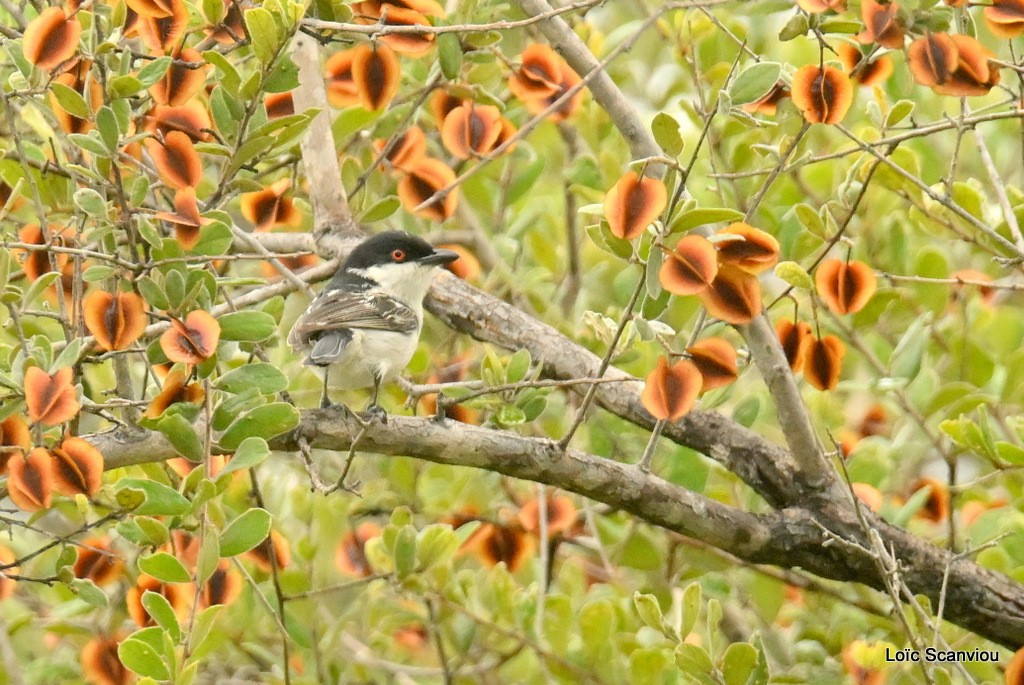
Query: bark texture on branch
[(982, 601)]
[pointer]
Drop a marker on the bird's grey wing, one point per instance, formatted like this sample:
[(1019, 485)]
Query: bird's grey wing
[(338, 309), (328, 346)]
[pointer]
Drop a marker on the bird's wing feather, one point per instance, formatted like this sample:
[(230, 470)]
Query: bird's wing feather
[(334, 309), (328, 347)]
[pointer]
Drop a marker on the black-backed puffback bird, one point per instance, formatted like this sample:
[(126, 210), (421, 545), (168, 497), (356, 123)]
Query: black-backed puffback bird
[(363, 327)]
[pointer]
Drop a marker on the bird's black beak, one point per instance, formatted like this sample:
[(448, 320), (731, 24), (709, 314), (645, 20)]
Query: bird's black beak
[(439, 257)]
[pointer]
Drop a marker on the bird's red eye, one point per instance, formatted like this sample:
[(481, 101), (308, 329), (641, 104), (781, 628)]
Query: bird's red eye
[(398, 255)]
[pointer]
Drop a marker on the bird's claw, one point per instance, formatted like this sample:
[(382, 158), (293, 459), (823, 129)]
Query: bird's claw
[(375, 411)]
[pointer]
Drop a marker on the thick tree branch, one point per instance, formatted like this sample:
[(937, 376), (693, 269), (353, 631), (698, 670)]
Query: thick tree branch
[(788, 538)]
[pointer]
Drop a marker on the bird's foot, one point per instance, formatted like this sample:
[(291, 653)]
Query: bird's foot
[(375, 411)]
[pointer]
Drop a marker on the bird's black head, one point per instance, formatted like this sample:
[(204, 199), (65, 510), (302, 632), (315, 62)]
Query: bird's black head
[(397, 247)]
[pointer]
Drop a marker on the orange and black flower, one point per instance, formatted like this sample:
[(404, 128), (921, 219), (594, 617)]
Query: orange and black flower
[(734, 296), (30, 480), (824, 95), (273, 550), (271, 207), (341, 88), (193, 340), (176, 160), (175, 389), (101, 665), (1005, 18), (955, 65), (508, 544), (279, 105), (376, 73), (350, 557), (715, 358), (15, 439), (822, 5), (116, 320), (77, 468), (427, 177), (97, 561), (51, 400), (747, 248), (795, 337), (185, 220), (223, 587), (633, 203), (823, 363), (870, 73), (883, 24), (7, 585), (51, 38), (442, 102), (671, 391), (471, 130), (542, 78), (185, 78), (192, 119), (561, 515), (846, 287), (539, 75), (411, 44), (162, 34), (407, 149), (690, 267), (936, 506)]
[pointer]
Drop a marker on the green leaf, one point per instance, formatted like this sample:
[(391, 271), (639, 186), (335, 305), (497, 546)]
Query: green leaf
[(449, 54), (405, 552), (247, 326), (436, 544), (70, 100), (666, 133), (691, 609), (160, 500), (139, 657), (106, 124), (811, 220), (795, 275), (182, 435), (381, 210), (796, 26), (208, 557), (164, 567), (251, 452), (693, 659), (900, 111), (702, 217), (155, 531), (90, 143), (649, 610), (518, 366), (88, 592), (264, 422), (245, 532), (263, 33), (264, 377), (738, 663), (754, 82), (214, 241), (157, 606), (154, 71), (200, 642), (124, 86)]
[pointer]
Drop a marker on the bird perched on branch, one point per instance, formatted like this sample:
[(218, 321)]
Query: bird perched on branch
[(364, 325)]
